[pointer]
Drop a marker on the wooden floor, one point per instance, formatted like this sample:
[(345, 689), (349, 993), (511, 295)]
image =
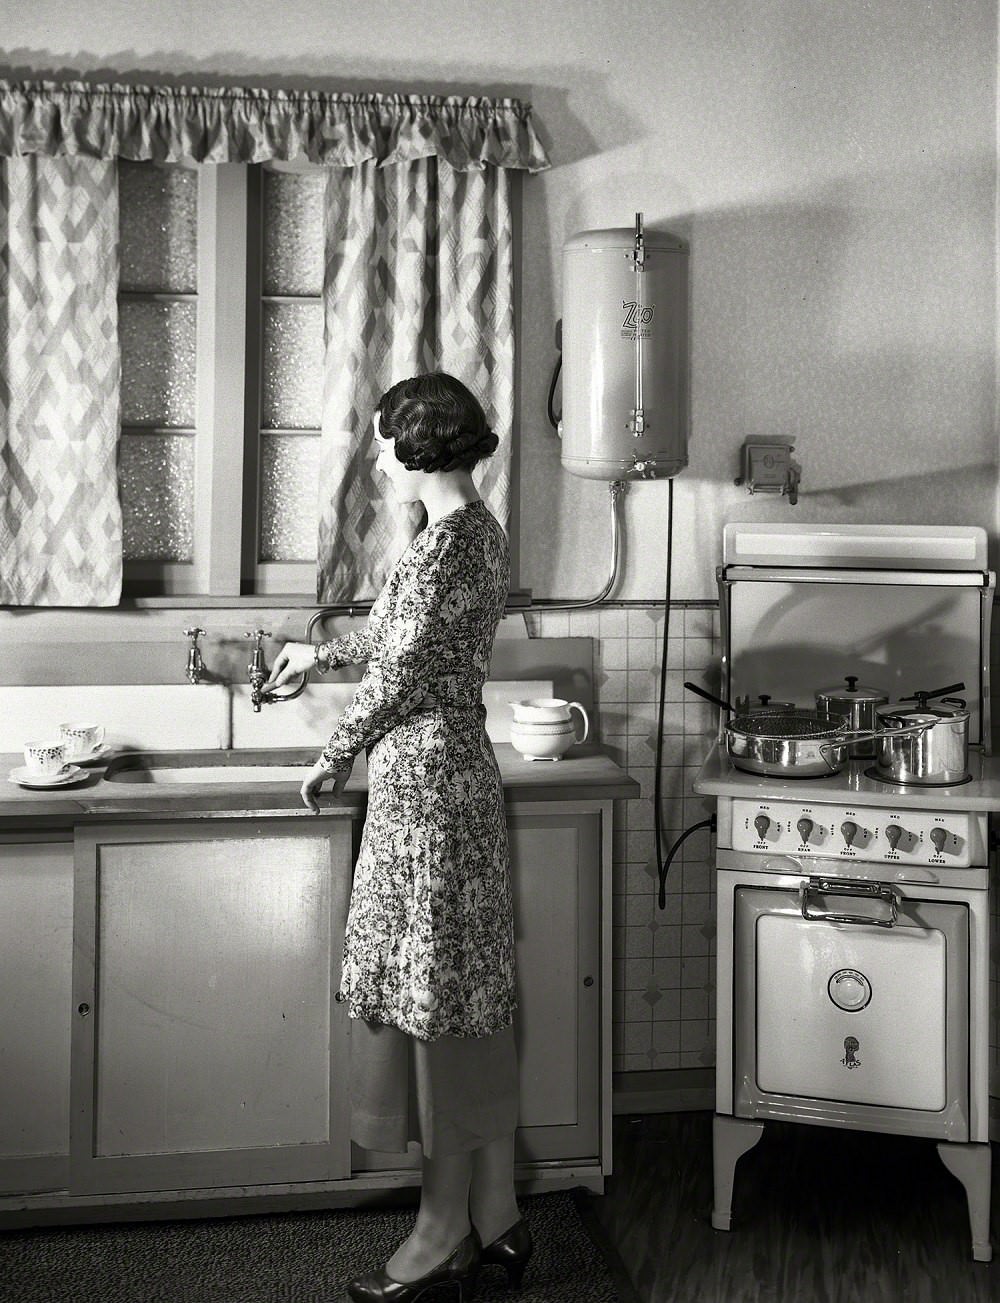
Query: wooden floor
[(820, 1215)]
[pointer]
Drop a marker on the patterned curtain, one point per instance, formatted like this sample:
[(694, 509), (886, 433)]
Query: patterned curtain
[(419, 277), (60, 520)]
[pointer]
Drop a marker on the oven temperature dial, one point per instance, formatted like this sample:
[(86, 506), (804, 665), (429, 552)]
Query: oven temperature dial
[(849, 990)]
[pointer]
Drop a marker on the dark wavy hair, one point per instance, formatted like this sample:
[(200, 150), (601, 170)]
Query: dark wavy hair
[(436, 423)]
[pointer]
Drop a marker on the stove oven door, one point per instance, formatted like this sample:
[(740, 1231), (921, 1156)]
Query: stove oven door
[(852, 1023)]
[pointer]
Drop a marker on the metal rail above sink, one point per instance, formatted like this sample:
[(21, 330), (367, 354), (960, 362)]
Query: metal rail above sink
[(173, 768)]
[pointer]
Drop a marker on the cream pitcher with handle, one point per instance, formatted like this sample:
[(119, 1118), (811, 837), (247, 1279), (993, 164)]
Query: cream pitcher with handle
[(543, 727)]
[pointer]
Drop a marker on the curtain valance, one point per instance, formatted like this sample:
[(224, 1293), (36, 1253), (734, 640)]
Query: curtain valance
[(165, 124)]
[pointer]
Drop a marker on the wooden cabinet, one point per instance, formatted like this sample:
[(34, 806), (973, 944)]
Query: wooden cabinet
[(207, 1047), (36, 956), (169, 1030)]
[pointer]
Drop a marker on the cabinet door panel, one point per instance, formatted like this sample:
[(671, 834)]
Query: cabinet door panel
[(555, 863), (36, 925), (213, 1053)]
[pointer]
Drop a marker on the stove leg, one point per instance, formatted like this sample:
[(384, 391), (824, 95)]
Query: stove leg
[(731, 1138), (971, 1164)]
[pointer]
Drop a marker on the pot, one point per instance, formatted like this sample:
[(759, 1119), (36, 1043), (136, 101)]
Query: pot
[(938, 755), (793, 744), (858, 705)]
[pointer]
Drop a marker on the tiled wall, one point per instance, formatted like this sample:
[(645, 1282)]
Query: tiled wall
[(663, 960)]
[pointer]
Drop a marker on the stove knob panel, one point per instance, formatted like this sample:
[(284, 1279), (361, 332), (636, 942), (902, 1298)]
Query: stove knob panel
[(805, 827), (762, 823)]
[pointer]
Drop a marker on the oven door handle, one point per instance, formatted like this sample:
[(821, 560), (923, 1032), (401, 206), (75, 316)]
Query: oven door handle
[(858, 890)]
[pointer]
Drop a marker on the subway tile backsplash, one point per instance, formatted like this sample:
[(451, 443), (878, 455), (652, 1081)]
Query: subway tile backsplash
[(663, 1008)]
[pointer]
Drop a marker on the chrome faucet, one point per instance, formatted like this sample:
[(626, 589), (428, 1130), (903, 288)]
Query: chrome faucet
[(195, 665), (257, 669)]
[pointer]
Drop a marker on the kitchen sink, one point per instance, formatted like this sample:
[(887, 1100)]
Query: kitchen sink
[(163, 768)]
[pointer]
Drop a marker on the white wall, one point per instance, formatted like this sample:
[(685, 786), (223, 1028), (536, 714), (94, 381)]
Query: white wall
[(832, 165)]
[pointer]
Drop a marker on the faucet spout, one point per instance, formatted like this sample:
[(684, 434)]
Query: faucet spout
[(195, 664), (257, 669)]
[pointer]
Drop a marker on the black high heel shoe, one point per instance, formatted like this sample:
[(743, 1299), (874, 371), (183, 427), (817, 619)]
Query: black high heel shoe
[(511, 1250), (460, 1268)]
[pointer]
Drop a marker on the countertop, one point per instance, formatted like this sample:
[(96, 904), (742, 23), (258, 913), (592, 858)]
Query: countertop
[(585, 773), (718, 776)]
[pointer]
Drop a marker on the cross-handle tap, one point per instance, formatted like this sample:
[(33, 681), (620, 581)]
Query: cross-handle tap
[(257, 668), (195, 665)]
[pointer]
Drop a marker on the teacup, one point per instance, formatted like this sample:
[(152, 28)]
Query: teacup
[(44, 757), (80, 740), (548, 710)]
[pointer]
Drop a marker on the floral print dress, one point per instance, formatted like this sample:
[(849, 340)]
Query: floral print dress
[(429, 946)]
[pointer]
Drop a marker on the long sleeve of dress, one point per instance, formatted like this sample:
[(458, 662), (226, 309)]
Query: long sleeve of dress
[(412, 649), (349, 650)]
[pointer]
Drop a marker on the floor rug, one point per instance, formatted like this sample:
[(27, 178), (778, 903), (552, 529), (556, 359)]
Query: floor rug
[(292, 1258)]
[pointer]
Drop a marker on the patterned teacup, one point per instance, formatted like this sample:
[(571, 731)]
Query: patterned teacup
[(44, 757), (80, 740)]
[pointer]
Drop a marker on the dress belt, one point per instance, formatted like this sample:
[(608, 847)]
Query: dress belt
[(432, 703)]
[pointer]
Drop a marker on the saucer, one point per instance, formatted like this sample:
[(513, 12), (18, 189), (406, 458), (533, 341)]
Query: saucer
[(71, 774)]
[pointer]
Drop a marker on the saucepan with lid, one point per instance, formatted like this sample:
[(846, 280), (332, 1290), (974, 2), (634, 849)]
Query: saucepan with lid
[(937, 755), (792, 743), (859, 704)]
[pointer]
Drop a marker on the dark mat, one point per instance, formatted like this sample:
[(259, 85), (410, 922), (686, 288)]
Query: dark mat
[(291, 1258)]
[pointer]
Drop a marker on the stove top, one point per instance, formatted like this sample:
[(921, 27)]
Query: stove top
[(718, 776)]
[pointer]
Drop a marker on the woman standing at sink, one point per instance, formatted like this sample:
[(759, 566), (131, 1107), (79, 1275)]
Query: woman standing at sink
[(428, 969)]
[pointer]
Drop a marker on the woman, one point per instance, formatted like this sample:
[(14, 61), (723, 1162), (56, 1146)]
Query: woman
[(428, 971)]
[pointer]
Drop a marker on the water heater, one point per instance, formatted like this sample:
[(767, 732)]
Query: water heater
[(624, 340)]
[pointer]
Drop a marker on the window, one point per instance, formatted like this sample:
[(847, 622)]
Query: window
[(221, 327)]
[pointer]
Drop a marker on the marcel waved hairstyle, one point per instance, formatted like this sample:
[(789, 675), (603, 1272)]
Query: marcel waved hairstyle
[(436, 423)]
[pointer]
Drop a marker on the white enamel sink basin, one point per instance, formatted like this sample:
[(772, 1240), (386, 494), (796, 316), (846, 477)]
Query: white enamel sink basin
[(213, 774), (176, 768)]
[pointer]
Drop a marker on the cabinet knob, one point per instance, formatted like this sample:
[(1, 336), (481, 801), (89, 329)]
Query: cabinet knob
[(588, 981), (83, 1009)]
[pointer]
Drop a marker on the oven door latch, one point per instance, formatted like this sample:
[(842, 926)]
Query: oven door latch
[(856, 890)]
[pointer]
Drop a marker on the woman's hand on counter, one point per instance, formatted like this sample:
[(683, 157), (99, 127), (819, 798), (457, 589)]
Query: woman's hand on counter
[(317, 776), (294, 659)]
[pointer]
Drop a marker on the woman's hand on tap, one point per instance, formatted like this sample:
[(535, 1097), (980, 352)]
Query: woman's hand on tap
[(294, 659)]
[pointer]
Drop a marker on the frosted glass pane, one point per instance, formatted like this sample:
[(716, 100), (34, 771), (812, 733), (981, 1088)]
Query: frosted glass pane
[(289, 474), (158, 227), (292, 382), (156, 482), (293, 232), (158, 342)]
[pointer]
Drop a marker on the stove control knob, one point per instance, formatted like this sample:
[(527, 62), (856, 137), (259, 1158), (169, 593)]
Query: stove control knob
[(805, 827), (893, 832), (849, 830), (762, 823), (939, 836)]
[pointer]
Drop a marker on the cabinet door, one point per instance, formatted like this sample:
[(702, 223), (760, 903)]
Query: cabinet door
[(207, 1048), (556, 875), (36, 951)]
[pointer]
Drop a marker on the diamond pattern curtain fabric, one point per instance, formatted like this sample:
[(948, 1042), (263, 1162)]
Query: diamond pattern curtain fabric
[(60, 519), (419, 277)]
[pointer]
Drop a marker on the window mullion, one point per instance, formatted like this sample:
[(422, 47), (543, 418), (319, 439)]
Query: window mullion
[(222, 316)]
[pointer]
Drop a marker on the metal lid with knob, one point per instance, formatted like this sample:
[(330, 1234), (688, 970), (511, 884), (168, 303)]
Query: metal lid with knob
[(850, 694)]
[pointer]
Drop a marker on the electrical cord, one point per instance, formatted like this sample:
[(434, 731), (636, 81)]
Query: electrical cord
[(665, 866), (554, 417)]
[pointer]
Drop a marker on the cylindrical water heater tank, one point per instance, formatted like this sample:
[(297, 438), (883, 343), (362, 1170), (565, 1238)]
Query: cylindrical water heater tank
[(625, 344)]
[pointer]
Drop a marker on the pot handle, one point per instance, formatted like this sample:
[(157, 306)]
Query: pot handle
[(824, 749), (859, 890), (870, 735), (700, 692)]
